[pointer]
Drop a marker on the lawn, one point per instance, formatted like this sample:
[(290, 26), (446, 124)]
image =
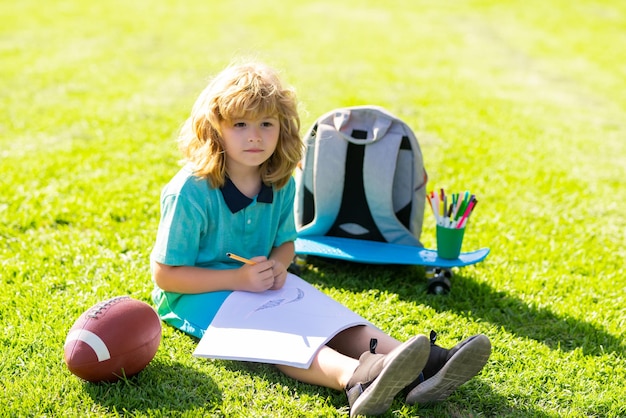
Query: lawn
[(521, 102)]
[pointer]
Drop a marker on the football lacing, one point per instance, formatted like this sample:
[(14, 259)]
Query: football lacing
[(97, 309)]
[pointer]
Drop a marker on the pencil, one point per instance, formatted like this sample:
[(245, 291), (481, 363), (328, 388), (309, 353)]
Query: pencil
[(239, 258)]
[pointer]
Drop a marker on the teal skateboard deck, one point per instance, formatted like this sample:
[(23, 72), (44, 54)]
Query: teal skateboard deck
[(373, 252)]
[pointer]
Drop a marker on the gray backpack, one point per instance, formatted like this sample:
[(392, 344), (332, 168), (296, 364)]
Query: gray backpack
[(362, 176)]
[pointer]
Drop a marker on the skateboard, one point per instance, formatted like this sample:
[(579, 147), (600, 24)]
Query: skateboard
[(374, 252)]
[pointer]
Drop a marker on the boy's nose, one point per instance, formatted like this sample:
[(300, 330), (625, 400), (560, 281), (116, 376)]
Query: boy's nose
[(255, 136)]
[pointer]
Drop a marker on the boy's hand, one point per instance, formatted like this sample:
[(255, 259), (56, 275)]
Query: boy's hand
[(257, 277), (280, 275)]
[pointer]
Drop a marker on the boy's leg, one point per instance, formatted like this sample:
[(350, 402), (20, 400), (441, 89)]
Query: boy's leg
[(334, 364), (371, 382), (329, 368), (355, 341)]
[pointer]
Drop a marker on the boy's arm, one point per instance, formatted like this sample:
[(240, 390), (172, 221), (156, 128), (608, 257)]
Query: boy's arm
[(188, 279)]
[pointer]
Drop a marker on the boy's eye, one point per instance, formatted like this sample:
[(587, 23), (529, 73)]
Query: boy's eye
[(239, 124), (267, 124)]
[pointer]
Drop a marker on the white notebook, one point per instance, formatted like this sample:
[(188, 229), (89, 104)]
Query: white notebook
[(286, 326)]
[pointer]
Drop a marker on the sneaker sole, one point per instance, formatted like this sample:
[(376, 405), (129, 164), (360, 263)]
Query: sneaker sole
[(462, 366), (403, 366)]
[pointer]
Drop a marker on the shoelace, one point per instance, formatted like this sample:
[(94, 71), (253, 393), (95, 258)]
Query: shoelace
[(373, 345), (433, 337)]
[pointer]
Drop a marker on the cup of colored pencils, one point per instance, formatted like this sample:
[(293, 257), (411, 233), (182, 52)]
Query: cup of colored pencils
[(452, 212)]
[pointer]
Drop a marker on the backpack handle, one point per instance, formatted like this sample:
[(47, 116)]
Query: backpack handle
[(378, 129)]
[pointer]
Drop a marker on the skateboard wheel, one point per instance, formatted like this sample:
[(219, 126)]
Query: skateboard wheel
[(296, 265), (439, 281)]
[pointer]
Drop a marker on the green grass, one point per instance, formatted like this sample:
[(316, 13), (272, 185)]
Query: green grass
[(523, 102)]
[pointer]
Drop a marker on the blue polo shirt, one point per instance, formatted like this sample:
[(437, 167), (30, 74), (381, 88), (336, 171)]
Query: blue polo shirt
[(200, 224)]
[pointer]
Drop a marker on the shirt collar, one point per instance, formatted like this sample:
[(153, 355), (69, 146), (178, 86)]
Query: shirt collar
[(235, 200)]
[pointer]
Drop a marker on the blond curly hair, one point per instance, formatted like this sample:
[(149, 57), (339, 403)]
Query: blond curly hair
[(243, 90)]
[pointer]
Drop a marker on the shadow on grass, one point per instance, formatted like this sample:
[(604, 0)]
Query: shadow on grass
[(477, 399), (159, 387), (472, 299), (462, 403)]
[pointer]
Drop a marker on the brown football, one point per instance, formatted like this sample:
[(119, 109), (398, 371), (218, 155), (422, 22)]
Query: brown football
[(112, 339)]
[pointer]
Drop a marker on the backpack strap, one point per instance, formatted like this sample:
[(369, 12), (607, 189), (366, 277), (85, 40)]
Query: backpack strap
[(326, 185), (380, 165)]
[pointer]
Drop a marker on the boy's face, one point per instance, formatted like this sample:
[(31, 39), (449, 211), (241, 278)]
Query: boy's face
[(249, 141)]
